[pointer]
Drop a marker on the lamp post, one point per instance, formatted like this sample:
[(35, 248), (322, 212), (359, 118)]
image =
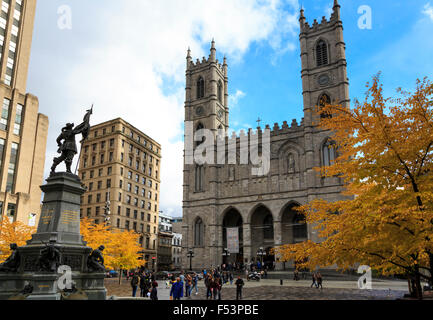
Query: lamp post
[(107, 212), (190, 256), (261, 253)]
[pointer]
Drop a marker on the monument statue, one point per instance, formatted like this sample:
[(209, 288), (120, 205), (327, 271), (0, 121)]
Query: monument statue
[(95, 262), (49, 259), (13, 262), (24, 294), (291, 163), (68, 148)]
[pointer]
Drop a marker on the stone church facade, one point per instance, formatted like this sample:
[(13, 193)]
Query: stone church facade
[(217, 197)]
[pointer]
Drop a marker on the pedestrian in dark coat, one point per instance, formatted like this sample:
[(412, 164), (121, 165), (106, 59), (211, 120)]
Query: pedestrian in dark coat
[(154, 292), (134, 283), (176, 291), (239, 285)]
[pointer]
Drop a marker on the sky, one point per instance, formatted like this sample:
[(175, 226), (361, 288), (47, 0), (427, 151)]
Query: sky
[(128, 59)]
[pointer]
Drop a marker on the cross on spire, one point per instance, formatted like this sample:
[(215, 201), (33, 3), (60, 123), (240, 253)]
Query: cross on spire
[(258, 121)]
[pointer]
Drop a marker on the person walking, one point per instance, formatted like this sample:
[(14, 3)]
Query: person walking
[(154, 291), (314, 280), (143, 286), (195, 283), (296, 275), (134, 283), (188, 283), (231, 278), (239, 285), (208, 282), (319, 280), (176, 292), (215, 285)]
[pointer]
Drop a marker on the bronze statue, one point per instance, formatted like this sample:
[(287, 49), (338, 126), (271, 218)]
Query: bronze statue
[(68, 149), (13, 262), (49, 259), (95, 262), (24, 294)]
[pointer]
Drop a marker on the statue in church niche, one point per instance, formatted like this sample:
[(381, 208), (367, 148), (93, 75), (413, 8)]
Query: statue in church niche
[(49, 258), (95, 262), (13, 262), (68, 148), (291, 164), (231, 173)]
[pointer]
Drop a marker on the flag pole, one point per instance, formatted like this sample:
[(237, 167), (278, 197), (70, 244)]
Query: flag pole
[(81, 147)]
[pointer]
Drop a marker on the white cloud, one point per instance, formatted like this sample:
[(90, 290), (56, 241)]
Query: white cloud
[(428, 10), (234, 99), (136, 68)]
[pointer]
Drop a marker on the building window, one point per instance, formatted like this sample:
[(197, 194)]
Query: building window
[(18, 119), (109, 171), (100, 171), (199, 177), (11, 170), (127, 225), (5, 114), (328, 153), (321, 53), (200, 88), (199, 233), (128, 212), (108, 183), (220, 92)]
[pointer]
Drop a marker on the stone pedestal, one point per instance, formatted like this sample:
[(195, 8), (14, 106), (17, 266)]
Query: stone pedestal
[(59, 225)]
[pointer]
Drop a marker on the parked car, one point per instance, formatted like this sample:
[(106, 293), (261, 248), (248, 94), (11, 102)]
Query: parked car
[(162, 275), (112, 274)]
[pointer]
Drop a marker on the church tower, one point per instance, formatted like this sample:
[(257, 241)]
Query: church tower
[(206, 101), (323, 55)]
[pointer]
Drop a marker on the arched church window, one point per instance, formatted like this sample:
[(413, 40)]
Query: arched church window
[(199, 233), (199, 178), (321, 53), (324, 100), (220, 92), (268, 227), (200, 88), (328, 153), (300, 232)]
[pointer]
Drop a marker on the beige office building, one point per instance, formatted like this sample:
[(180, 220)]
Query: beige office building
[(121, 164), (23, 131)]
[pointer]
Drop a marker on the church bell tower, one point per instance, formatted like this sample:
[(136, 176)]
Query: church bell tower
[(323, 55)]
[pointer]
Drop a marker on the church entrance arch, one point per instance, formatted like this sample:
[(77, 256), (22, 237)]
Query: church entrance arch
[(294, 228), (262, 236), (233, 237)]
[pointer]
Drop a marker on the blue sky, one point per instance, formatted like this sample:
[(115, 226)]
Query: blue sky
[(128, 57)]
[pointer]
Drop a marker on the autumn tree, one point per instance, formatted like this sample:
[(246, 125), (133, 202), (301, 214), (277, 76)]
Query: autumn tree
[(13, 232), (121, 247), (385, 158)]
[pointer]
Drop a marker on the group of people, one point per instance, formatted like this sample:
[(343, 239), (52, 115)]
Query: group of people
[(184, 283), (317, 280), (147, 283)]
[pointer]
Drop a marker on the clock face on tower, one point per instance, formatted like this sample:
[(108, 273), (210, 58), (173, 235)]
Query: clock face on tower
[(199, 111)]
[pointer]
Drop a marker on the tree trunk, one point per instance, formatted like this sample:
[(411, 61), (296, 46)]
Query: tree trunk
[(120, 275), (418, 283)]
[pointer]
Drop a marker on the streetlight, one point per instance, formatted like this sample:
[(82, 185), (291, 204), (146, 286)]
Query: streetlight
[(261, 253), (190, 256), (107, 212)]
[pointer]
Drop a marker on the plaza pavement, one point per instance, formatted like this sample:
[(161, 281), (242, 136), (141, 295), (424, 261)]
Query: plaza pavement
[(270, 289)]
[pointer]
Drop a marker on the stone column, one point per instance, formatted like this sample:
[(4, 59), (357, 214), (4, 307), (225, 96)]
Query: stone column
[(278, 241), (247, 242)]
